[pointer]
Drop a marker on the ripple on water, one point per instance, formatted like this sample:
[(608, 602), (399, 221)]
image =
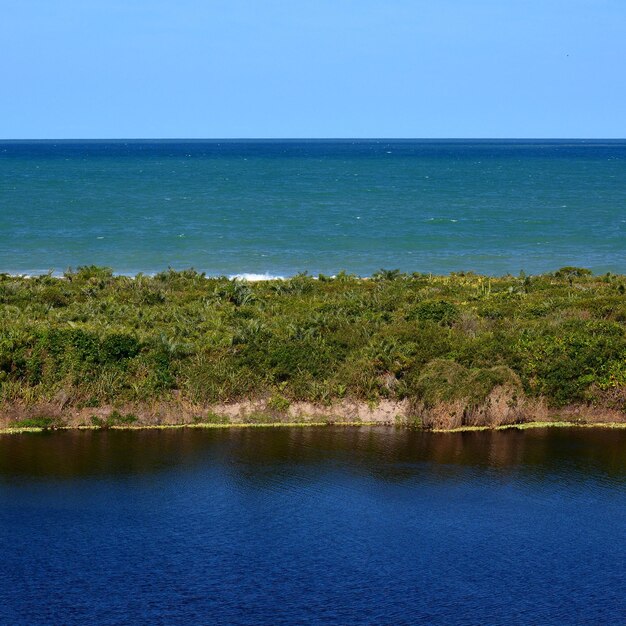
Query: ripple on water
[(318, 525)]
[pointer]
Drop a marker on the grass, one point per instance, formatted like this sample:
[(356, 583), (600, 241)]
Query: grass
[(532, 425), (38, 423), (115, 418), (12, 430), (19, 429)]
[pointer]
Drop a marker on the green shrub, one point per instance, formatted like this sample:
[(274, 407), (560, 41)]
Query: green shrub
[(438, 311), (86, 273), (115, 418), (383, 274), (111, 339), (278, 403), (53, 297), (117, 347), (572, 272), (564, 361), (440, 381), (43, 422), (211, 418)]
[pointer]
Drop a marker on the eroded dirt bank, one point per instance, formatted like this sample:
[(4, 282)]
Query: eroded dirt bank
[(501, 408)]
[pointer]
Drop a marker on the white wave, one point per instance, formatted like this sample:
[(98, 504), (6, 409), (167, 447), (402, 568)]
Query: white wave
[(31, 273), (252, 278), (441, 220)]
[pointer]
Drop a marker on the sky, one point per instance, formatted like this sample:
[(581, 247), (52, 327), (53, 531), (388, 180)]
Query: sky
[(312, 68)]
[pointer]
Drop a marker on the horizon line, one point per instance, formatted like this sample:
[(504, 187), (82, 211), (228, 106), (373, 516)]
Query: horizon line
[(233, 139)]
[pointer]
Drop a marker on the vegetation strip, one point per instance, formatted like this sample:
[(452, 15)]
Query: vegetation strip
[(34, 429), (465, 429), (460, 351)]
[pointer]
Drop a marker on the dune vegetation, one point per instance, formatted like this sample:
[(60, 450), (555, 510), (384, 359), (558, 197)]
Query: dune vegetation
[(458, 350)]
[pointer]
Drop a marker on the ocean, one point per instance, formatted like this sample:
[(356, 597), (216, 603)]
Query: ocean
[(277, 208)]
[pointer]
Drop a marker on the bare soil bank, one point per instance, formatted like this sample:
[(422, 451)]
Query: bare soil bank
[(499, 410)]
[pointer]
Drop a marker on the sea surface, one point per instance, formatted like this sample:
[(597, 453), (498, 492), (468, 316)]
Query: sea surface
[(277, 208), (313, 526)]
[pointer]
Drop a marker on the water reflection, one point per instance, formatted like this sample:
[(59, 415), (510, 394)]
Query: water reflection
[(310, 526), (387, 453)]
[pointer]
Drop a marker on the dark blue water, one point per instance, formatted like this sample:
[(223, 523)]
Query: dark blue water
[(278, 208), (313, 526)]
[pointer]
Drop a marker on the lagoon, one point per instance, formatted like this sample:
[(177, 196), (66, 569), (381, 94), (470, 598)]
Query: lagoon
[(328, 525)]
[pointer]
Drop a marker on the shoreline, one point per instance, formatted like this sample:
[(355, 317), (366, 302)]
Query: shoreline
[(259, 414), (239, 425), (268, 411), (250, 277)]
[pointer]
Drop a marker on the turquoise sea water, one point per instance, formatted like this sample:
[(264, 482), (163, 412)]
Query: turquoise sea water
[(281, 207)]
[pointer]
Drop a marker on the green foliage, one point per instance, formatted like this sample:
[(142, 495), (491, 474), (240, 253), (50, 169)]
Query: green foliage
[(561, 362), (441, 381), (259, 418), (210, 418), (115, 418), (572, 272), (53, 297), (43, 422), (88, 273), (117, 347), (104, 339), (239, 293), (438, 311), (278, 403), (383, 274)]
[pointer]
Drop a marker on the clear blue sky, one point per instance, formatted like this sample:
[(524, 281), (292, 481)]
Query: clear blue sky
[(312, 68)]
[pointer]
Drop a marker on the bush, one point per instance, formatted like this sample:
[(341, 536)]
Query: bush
[(440, 381), (572, 272), (438, 311), (43, 422), (110, 339), (115, 418), (89, 273), (448, 395), (118, 347), (563, 362)]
